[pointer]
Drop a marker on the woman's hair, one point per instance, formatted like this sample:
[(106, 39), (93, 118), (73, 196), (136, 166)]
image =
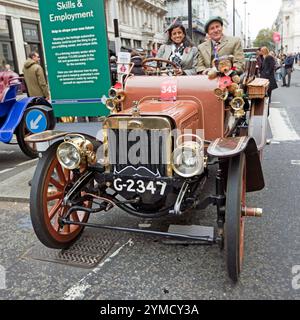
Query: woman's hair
[(265, 51), (187, 42)]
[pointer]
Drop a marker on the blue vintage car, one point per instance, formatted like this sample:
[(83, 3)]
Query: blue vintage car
[(13, 113)]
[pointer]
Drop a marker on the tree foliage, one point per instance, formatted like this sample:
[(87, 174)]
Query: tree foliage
[(265, 39)]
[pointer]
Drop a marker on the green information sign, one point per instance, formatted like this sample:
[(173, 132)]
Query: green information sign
[(75, 42)]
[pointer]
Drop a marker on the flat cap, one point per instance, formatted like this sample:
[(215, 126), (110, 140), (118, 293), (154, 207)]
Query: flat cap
[(211, 20)]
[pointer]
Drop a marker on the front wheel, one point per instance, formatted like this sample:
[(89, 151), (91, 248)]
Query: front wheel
[(235, 221), (49, 185)]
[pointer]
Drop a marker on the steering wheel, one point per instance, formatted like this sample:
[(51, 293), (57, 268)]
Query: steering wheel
[(158, 68)]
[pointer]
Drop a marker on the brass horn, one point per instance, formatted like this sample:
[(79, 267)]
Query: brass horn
[(237, 104), (112, 104), (119, 95), (221, 94), (239, 93)]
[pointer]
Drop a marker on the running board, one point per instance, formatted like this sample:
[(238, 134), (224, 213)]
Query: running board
[(207, 240)]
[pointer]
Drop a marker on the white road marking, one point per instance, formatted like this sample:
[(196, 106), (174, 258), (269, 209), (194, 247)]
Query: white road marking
[(276, 102), (295, 162), (26, 162), (6, 152), (145, 225), (79, 289), (281, 126), (6, 170)]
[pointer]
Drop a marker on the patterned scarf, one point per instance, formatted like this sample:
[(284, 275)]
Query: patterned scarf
[(177, 53)]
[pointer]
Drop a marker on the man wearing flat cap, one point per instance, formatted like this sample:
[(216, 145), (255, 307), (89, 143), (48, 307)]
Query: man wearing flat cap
[(219, 45)]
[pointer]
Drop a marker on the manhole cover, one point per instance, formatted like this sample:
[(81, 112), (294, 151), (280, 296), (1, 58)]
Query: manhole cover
[(87, 252)]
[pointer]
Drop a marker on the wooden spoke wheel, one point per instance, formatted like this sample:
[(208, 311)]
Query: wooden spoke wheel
[(28, 148), (50, 184), (235, 222)]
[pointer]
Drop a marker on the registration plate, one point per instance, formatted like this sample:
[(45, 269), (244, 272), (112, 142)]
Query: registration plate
[(140, 186)]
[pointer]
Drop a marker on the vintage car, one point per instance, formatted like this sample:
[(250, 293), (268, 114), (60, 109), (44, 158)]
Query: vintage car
[(164, 136), (13, 112)]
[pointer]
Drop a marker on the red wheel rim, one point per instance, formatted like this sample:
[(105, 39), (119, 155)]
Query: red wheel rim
[(56, 182)]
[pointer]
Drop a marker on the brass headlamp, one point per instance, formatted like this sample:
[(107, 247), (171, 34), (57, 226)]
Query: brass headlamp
[(75, 151), (188, 157)]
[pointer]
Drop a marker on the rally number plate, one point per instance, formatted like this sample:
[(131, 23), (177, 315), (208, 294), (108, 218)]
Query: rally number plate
[(140, 186)]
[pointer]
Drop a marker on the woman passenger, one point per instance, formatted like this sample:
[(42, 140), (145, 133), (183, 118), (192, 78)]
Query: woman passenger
[(180, 50)]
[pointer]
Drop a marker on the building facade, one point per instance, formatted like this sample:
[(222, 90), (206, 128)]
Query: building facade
[(238, 30), (20, 32), (288, 25), (202, 11), (141, 23), (178, 9), (219, 8)]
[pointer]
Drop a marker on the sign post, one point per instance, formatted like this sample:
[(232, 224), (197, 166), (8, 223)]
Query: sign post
[(76, 48)]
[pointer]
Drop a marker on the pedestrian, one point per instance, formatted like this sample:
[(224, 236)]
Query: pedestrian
[(268, 70), (260, 60), (7, 67), (180, 50), (35, 77), (219, 45), (113, 69), (277, 67), (288, 65), (137, 59), (154, 53)]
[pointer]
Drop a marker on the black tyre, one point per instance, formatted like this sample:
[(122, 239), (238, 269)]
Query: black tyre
[(235, 222), (49, 186), (29, 149)]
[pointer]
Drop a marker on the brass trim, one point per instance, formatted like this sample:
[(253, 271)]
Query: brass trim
[(136, 123), (149, 123), (139, 123)]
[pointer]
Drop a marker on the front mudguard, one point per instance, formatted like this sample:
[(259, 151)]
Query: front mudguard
[(45, 139), (226, 148), (15, 116)]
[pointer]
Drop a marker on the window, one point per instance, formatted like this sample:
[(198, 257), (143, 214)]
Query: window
[(7, 54), (32, 38), (126, 42), (30, 32), (137, 43)]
